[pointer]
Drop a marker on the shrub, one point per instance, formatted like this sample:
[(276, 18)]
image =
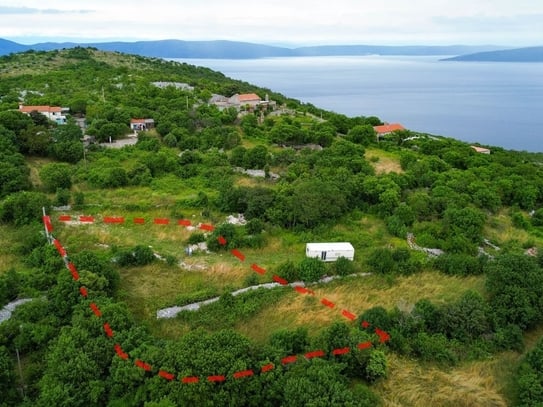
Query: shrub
[(376, 367), (137, 256), (343, 266), (22, 208), (311, 269), (289, 271)]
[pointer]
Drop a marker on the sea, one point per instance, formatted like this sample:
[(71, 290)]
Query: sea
[(494, 104)]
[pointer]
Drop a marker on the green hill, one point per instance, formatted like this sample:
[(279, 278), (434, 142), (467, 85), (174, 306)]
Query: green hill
[(437, 307)]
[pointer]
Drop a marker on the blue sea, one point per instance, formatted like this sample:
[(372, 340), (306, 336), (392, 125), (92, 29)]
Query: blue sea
[(497, 104)]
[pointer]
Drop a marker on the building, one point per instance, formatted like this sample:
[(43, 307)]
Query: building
[(141, 124), (481, 150), (53, 113), (385, 129), (245, 99), (330, 251)]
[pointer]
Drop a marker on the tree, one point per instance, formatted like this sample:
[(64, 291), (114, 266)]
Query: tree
[(362, 134), (515, 288), (7, 379), (56, 175), (21, 208)]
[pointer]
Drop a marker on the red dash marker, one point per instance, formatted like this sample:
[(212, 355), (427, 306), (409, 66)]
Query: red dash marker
[(301, 290), (47, 223), (289, 359), (190, 379), (279, 280), (314, 354), (364, 345), (238, 254), (365, 324), (166, 375), (383, 336), (86, 219), (120, 352), (73, 271), (112, 219), (59, 247), (341, 351), (95, 309), (216, 378), (142, 365), (108, 330), (327, 303), (184, 222), (64, 218), (258, 269), (243, 373), (139, 221), (348, 315), (209, 228), (267, 368), (83, 292), (222, 241), (161, 221)]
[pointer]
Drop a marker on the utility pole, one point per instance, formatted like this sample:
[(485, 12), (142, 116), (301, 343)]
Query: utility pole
[(20, 373)]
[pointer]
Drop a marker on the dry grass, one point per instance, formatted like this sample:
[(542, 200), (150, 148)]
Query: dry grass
[(501, 230), (35, 164), (413, 384), (355, 294), (386, 161)]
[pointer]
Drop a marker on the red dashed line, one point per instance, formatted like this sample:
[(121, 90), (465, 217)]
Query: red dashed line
[(238, 254), (348, 315), (95, 309), (161, 221), (279, 280), (184, 222), (383, 336), (64, 218), (142, 365), (289, 359), (216, 378), (208, 228), (166, 375), (108, 330), (341, 351), (327, 303), (221, 240), (244, 373), (314, 354), (258, 269)]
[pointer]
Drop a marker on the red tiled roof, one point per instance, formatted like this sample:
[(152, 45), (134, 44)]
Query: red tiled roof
[(246, 97), (134, 121), (50, 109), (388, 128)]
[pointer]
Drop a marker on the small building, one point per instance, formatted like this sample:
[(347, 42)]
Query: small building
[(481, 150), (245, 99), (385, 129), (53, 113), (330, 251), (141, 124)]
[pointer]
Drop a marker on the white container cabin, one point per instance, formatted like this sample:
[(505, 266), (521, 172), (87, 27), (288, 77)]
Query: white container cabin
[(330, 251)]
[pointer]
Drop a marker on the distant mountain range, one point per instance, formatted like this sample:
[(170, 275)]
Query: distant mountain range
[(529, 54), (245, 50)]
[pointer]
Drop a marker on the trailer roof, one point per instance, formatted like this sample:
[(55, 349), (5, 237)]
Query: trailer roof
[(329, 246)]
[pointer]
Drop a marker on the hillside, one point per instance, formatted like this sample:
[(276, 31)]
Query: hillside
[(190, 186), (528, 54), (242, 50)]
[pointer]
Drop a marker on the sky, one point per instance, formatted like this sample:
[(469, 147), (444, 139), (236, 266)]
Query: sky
[(278, 22)]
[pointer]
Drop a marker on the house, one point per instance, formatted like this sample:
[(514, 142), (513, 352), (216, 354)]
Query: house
[(53, 113), (330, 251), (481, 150), (245, 99), (385, 129), (141, 124)]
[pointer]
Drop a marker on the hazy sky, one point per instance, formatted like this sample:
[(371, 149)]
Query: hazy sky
[(280, 22)]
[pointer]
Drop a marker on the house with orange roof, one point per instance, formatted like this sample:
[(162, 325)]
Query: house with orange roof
[(53, 113), (245, 99), (385, 129), (141, 124)]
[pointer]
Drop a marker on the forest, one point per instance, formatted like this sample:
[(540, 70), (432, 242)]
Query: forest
[(442, 304)]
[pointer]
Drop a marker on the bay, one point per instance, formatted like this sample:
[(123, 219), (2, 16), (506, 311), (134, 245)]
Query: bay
[(496, 104)]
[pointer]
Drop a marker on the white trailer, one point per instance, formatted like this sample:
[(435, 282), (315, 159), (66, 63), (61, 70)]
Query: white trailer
[(330, 251)]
